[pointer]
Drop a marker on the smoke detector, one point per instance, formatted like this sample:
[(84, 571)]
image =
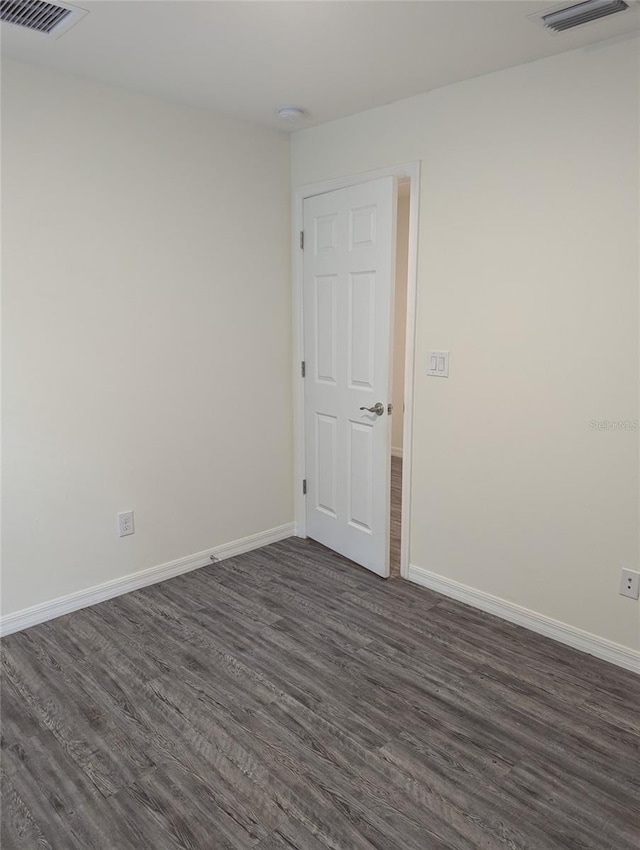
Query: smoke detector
[(558, 19), (51, 19)]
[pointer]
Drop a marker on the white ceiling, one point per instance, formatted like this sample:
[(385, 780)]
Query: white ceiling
[(245, 59)]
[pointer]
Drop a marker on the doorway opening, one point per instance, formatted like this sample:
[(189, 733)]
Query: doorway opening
[(316, 296), (397, 374)]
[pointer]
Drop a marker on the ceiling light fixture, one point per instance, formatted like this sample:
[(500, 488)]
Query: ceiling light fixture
[(290, 113)]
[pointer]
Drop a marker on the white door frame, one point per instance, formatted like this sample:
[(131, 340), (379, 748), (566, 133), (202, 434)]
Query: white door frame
[(411, 171)]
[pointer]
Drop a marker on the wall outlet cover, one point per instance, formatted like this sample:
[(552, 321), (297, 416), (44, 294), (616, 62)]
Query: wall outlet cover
[(125, 524), (630, 584)]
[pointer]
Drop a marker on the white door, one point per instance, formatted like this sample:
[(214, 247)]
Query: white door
[(349, 268)]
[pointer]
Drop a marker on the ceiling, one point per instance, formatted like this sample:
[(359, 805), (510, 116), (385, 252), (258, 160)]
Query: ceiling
[(245, 59)]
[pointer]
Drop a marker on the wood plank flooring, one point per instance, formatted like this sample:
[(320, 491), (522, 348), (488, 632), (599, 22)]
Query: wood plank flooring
[(288, 699), (396, 516)]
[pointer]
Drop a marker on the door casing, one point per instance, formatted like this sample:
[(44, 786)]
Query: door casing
[(410, 171)]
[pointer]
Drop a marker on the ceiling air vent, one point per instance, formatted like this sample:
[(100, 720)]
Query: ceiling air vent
[(52, 19), (558, 19)]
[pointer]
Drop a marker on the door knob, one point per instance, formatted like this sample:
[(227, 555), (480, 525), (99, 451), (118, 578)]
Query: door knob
[(377, 408)]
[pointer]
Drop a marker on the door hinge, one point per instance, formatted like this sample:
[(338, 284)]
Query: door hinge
[(303, 369), (302, 240), (304, 486)]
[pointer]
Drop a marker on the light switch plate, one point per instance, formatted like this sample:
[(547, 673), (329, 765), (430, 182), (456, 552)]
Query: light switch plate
[(438, 364)]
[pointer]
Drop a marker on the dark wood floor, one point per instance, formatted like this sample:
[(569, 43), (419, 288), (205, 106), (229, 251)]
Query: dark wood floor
[(288, 699), (396, 516)]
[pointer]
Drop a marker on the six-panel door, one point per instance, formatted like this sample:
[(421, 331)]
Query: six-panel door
[(349, 260)]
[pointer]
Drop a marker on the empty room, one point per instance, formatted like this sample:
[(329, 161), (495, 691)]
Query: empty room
[(320, 425)]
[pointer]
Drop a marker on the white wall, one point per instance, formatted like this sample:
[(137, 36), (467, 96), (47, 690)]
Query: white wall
[(528, 273), (147, 350), (400, 317)]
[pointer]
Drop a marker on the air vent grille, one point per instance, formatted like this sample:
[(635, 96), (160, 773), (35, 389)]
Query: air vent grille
[(50, 19), (582, 13)]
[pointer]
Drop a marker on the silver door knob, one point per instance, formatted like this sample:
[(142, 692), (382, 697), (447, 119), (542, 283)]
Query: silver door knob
[(377, 408)]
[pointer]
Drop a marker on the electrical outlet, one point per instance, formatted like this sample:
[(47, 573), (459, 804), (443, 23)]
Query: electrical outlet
[(125, 524), (630, 584)]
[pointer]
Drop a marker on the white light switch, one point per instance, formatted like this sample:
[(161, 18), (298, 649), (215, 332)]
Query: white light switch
[(438, 364)]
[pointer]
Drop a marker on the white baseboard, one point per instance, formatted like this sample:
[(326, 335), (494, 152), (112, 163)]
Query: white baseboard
[(116, 587), (570, 635), (396, 452)]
